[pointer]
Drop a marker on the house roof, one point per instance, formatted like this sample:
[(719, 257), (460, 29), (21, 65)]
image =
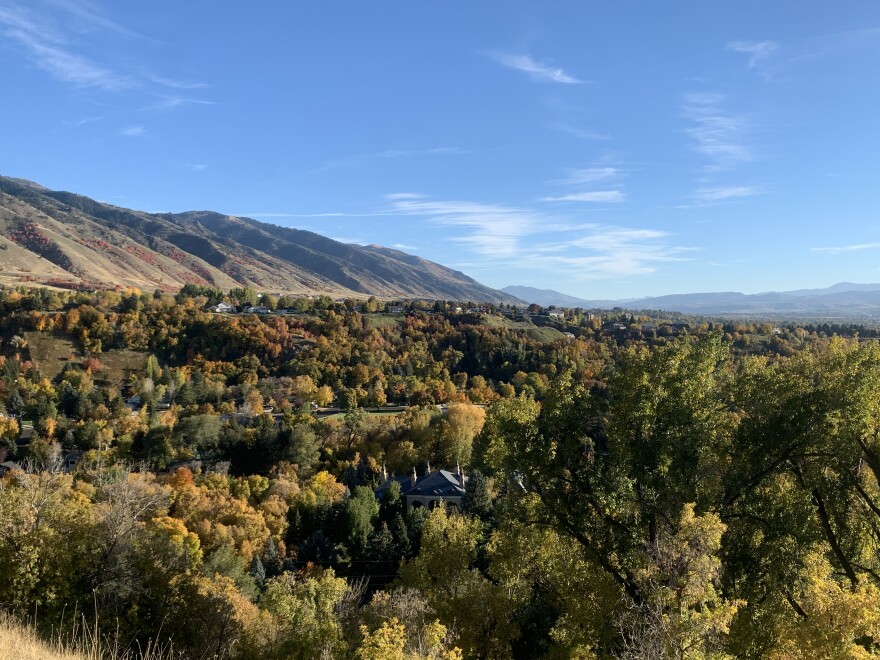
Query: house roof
[(440, 483)]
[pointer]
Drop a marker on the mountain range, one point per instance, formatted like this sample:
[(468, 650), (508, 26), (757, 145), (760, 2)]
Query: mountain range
[(846, 299), (63, 239)]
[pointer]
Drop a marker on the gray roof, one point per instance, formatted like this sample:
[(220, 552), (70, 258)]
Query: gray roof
[(440, 483)]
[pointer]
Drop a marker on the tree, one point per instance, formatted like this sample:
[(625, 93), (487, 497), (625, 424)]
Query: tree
[(361, 511), (462, 424), (303, 607), (682, 613), (461, 595), (476, 500)]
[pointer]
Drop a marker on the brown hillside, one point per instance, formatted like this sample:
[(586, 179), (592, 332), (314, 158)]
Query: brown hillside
[(62, 239)]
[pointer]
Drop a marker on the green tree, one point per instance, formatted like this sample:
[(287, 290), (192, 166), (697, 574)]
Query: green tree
[(361, 511)]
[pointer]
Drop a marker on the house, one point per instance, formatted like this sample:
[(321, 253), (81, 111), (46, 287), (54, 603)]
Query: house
[(395, 309), (649, 327), (8, 466), (71, 459), (556, 314), (570, 335), (256, 310), (222, 308), (430, 490)]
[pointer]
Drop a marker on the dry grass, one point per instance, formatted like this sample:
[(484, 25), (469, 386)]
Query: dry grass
[(21, 642), (51, 351), (117, 364), (18, 642)]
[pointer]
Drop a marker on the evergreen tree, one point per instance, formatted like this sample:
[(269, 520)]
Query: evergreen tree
[(476, 500)]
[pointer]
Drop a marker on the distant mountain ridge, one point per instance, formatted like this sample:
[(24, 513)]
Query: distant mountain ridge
[(845, 299), (64, 239)]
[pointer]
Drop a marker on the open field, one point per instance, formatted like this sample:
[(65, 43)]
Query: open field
[(382, 320), (51, 351), (117, 364), (530, 329)]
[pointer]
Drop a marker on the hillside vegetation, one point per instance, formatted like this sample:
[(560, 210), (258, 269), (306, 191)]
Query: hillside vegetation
[(619, 490), (67, 240)]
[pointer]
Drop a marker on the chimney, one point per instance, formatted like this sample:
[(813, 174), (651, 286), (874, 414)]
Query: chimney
[(429, 468), (415, 476), (384, 473), (460, 475)]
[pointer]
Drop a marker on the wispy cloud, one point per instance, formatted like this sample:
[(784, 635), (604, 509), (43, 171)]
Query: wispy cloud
[(169, 102), (49, 50), (776, 62), (589, 175), (92, 17), (507, 236), (404, 246), (596, 196), (725, 193), (758, 51), (404, 195), (492, 229), (858, 247), (133, 131), (358, 160), (176, 84), (579, 133), (62, 45), (83, 121), (538, 71), (715, 132), (611, 191), (448, 151), (196, 167)]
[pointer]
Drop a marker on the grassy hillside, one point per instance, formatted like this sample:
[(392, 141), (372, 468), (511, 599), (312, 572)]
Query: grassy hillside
[(21, 642), (66, 240), (531, 330)]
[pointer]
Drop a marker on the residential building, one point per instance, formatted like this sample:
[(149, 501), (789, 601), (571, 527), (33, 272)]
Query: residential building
[(430, 490)]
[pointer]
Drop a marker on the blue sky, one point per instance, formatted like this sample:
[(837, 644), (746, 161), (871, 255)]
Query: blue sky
[(606, 150)]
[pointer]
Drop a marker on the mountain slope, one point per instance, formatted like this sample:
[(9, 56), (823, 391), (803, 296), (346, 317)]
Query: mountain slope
[(64, 239)]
